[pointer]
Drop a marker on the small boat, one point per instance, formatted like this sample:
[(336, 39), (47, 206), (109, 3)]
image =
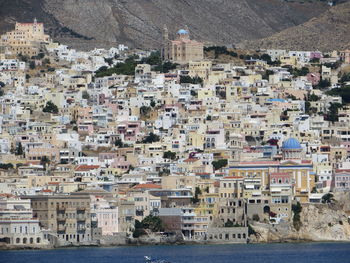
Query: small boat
[(150, 260)]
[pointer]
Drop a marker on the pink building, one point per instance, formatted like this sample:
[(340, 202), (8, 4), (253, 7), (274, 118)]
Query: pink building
[(341, 180), (314, 78), (130, 129), (105, 214)]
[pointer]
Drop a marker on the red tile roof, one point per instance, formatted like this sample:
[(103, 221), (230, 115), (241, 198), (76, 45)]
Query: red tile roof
[(147, 186), (86, 167), (260, 162), (191, 160), (281, 174), (233, 177)]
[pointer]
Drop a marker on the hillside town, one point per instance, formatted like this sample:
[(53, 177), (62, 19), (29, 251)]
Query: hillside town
[(185, 143)]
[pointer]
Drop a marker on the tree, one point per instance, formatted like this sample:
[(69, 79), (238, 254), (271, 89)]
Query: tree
[(119, 143), (32, 65), (219, 164), (267, 74), (256, 217), (50, 107), (165, 67), (327, 198), (153, 59), (229, 223), (345, 78), (313, 97), (169, 155), (151, 138), (139, 229), (296, 208), (2, 84), (19, 149), (153, 103), (46, 62), (220, 50), (343, 92), (267, 58), (145, 111), (109, 61), (44, 161), (6, 166), (332, 114), (197, 193), (153, 223), (85, 95), (125, 68), (188, 79), (194, 93), (41, 55), (324, 83)]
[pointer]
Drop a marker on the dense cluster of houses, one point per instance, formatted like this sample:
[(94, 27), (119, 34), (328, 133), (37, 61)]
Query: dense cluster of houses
[(207, 146)]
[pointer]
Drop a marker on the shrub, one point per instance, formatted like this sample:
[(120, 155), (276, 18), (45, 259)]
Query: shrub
[(50, 107), (256, 217), (219, 164)]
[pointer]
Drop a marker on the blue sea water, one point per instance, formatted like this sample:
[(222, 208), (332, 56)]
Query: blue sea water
[(253, 253)]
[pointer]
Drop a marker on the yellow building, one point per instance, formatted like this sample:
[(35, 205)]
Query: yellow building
[(200, 69), (301, 171), (25, 39), (181, 50)]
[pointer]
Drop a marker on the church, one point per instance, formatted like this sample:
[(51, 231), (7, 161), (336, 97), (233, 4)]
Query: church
[(182, 49)]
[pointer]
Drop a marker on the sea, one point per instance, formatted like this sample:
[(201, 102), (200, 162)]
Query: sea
[(237, 253)]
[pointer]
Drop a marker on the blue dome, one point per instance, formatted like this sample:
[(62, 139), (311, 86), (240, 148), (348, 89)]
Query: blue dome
[(291, 144), (182, 32)]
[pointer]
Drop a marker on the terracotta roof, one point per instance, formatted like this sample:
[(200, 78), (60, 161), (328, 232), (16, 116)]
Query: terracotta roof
[(305, 161), (281, 174), (260, 162), (7, 195), (233, 177), (147, 186), (342, 171), (191, 160), (86, 167)]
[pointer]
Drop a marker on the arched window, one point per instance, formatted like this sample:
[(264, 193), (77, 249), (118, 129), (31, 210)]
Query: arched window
[(18, 240), (25, 240), (38, 240), (31, 240)]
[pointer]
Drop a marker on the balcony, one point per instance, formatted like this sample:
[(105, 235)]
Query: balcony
[(81, 209), (61, 220), (189, 221), (187, 228), (61, 228), (61, 209), (81, 228)]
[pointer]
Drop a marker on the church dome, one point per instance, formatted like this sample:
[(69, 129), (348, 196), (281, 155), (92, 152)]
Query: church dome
[(182, 32), (291, 144)]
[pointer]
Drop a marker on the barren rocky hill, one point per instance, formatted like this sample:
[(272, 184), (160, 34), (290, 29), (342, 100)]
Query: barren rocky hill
[(89, 23), (329, 31)]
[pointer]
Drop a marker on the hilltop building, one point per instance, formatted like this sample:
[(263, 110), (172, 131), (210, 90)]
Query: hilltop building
[(182, 49), (26, 39)]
